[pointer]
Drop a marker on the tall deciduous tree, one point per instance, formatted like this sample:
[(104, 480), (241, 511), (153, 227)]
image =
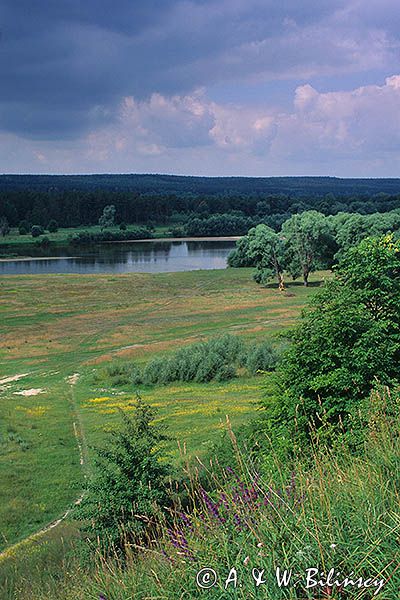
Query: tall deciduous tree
[(4, 226), (107, 219), (309, 239), (267, 249)]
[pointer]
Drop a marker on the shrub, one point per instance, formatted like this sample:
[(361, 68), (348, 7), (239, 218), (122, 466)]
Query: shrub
[(86, 238), (36, 230), (52, 226), (152, 371), (120, 374), (128, 489), (225, 372), (177, 231), (136, 374), (261, 357), (211, 364), (44, 242), (219, 224), (218, 359), (24, 227)]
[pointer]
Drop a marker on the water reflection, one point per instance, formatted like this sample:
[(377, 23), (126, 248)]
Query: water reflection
[(140, 257)]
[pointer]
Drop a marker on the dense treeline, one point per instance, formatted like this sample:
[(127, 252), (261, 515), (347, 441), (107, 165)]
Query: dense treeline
[(79, 200), (177, 184)]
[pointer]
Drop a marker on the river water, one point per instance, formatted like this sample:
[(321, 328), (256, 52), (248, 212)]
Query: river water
[(130, 257)]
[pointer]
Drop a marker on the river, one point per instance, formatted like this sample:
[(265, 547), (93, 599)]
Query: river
[(130, 257)]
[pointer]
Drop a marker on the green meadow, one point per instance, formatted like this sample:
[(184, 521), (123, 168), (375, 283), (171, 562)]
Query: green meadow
[(57, 335)]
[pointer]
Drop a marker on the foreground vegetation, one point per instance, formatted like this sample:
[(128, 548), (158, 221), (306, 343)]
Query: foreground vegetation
[(310, 485), (49, 334), (333, 511)]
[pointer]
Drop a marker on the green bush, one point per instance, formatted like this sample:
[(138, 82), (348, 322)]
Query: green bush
[(119, 374), (152, 371), (128, 490), (36, 230), (86, 238), (44, 242), (24, 227), (209, 367), (261, 357), (52, 226), (217, 359), (225, 372), (136, 375), (346, 342)]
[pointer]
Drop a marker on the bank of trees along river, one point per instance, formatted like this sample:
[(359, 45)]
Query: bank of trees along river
[(306, 242)]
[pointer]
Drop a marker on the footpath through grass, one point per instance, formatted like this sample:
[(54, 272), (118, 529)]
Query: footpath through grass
[(55, 326)]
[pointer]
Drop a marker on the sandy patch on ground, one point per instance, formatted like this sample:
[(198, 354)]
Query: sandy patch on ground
[(13, 378), (73, 379), (31, 392), (129, 347)]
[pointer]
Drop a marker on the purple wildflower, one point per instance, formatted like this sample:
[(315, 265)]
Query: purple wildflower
[(179, 542), (224, 501), (212, 507), (186, 521)]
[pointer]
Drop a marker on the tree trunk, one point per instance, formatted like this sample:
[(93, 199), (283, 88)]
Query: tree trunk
[(305, 277), (281, 283)]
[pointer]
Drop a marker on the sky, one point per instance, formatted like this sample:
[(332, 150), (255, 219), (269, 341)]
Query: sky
[(200, 87)]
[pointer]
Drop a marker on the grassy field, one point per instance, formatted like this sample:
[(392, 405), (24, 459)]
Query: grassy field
[(57, 333)]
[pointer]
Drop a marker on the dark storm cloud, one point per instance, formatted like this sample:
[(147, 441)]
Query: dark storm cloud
[(66, 65)]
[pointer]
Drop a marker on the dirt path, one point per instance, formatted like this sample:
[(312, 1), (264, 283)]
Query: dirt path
[(82, 448)]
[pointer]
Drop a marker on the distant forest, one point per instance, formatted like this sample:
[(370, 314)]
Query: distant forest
[(74, 200)]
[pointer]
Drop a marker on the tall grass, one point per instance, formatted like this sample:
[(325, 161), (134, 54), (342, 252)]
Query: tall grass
[(333, 511)]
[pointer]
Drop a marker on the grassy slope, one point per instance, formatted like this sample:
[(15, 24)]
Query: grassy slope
[(56, 325)]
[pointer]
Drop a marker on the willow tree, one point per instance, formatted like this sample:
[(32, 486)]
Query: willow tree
[(308, 238), (267, 249)]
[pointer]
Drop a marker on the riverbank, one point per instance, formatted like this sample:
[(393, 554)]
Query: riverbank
[(220, 238), (62, 236)]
